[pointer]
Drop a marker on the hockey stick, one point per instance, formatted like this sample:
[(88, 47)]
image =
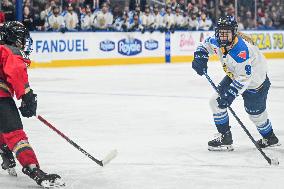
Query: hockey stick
[(102, 162), (271, 161)]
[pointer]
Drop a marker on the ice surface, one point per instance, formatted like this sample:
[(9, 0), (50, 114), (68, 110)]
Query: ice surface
[(158, 118)]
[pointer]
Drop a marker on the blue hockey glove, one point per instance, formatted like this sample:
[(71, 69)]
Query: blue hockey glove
[(225, 99), (199, 63)]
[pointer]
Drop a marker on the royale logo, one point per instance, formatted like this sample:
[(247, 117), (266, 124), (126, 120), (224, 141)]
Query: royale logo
[(107, 45), (186, 41), (151, 44), (129, 47)]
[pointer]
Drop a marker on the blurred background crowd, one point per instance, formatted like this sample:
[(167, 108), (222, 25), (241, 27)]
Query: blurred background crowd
[(143, 15)]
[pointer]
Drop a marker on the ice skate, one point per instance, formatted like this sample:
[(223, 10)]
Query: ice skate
[(8, 163), (269, 141), (43, 179), (222, 142)]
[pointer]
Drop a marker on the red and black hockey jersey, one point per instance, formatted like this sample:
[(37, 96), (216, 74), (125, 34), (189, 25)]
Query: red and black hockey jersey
[(13, 72)]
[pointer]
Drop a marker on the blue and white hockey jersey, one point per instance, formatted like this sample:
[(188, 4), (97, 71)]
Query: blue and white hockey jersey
[(244, 63)]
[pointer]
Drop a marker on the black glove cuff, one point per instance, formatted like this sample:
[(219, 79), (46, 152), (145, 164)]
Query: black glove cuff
[(28, 96)]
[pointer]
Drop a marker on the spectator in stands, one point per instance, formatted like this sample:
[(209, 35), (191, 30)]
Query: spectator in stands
[(125, 22), (204, 23), (169, 20), (71, 19), (259, 24), (28, 3), (147, 21), (126, 10), (269, 24), (87, 20), (173, 4), (104, 18), (179, 19), (48, 10), (117, 24), (240, 24), (192, 9), (230, 11), (137, 11), (193, 22), (135, 23), (55, 22), (158, 19), (116, 12), (28, 19), (249, 21), (9, 10), (182, 5)]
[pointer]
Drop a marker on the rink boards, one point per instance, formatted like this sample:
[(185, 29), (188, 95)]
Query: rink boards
[(54, 49)]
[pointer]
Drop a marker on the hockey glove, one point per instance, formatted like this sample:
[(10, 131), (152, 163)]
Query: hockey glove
[(29, 104), (199, 63), (225, 100)]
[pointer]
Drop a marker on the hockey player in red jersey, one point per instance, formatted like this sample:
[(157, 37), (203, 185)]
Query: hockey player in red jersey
[(14, 50)]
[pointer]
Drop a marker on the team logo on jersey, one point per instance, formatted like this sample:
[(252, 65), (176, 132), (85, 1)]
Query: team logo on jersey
[(151, 44), (242, 54), (129, 47), (107, 45), (24, 55)]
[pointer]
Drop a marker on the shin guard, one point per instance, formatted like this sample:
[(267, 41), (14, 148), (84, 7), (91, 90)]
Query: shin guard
[(17, 141)]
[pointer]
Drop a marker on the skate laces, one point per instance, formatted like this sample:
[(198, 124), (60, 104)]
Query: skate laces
[(218, 137), (264, 141)]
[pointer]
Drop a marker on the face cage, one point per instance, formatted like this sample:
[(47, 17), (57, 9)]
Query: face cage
[(225, 43), (28, 47)]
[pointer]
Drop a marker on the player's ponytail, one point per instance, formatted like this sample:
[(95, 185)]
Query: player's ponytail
[(245, 37)]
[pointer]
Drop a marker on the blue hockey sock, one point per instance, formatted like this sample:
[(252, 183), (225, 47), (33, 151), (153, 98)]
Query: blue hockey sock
[(222, 122), (265, 129)]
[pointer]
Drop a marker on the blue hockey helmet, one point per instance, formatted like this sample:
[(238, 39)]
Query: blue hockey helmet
[(223, 24)]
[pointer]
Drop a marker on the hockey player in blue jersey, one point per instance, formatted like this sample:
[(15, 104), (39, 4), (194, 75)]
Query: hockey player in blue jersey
[(246, 75)]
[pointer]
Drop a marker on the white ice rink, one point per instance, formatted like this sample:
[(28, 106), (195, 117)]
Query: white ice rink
[(158, 118)]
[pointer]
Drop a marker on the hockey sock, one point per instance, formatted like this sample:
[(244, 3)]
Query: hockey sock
[(265, 129), (18, 142), (222, 121), (262, 123)]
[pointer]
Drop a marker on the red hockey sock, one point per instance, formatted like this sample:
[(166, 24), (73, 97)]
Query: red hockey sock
[(18, 142)]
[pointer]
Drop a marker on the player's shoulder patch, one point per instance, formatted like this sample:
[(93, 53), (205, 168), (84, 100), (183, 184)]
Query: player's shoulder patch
[(240, 52)]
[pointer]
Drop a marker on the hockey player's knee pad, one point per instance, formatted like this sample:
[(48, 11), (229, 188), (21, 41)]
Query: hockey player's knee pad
[(12, 138), (259, 119), (255, 108)]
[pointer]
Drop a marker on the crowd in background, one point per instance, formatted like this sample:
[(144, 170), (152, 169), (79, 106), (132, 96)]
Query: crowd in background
[(171, 15)]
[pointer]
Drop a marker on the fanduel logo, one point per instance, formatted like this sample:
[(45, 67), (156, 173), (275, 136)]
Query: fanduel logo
[(107, 45), (151, 44), (129, 47)]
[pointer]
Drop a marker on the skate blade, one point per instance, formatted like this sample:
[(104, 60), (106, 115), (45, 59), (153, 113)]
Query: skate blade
[(222, 148), (12, 172), (275, 145), (57, 183)]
